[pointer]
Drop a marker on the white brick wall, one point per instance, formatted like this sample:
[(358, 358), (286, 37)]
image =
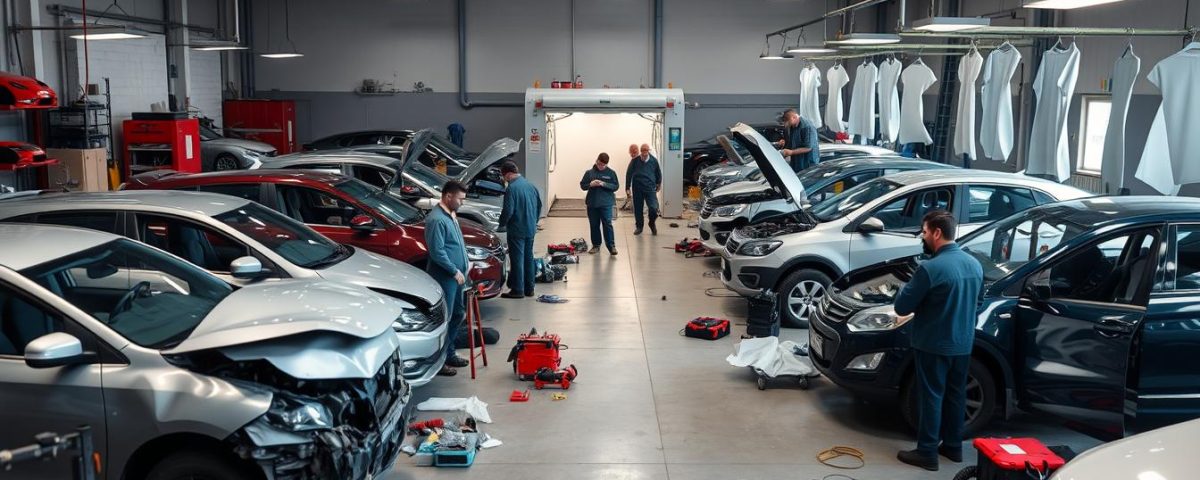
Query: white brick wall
[(136, 69), (206, 84)]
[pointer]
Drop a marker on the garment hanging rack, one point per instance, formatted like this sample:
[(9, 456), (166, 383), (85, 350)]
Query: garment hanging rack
[(918, 50), (1049, 32)]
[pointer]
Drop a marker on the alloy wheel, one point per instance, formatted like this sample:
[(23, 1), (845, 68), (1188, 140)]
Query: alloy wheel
[(803, 299)]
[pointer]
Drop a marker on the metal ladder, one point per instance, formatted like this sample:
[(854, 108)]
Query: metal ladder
[(945, 120)]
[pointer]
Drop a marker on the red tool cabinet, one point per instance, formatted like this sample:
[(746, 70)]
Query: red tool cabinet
[(161, 144), (269, 121)]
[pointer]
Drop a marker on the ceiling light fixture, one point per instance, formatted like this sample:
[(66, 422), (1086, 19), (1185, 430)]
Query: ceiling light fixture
[(1065, 4), (287, 32), (950, 24), (866, 39), (108, 32), (780, 55)]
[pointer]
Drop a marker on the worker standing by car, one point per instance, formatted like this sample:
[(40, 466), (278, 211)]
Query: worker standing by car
[(801, 144), (448, 264), (643, 180), (941, 297), (601, 184), (519, 217)]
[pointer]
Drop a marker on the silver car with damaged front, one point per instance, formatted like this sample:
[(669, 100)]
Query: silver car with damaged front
[(181, 375)]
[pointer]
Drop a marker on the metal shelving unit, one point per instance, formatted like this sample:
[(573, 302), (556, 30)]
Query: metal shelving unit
[(84, 125)]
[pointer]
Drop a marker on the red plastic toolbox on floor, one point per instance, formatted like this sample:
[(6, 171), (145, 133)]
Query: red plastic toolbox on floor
[(1008, 458), (534, 352)]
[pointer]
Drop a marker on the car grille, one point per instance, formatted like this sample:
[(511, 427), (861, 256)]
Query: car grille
[(389, 379), (704, 235), (706, 210), (732, 245), (834, 310), (499, 251), (721, 237), (435, 316)]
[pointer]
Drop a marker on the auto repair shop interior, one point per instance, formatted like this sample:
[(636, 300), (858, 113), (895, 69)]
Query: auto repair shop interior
[(369, 239)]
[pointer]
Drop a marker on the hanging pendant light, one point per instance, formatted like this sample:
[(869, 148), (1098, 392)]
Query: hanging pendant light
[(1065, 4), (287, 32), (951, 24), (866, 39), (780, 55)]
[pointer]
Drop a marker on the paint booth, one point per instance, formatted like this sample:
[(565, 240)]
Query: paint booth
[(566, 129)]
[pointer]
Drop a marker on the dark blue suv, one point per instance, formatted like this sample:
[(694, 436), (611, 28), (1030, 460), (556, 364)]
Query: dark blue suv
[(1090, 312)]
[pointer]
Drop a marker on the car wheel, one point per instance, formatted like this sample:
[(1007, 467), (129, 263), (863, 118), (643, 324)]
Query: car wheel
[(198, 465), (799, 294), (225, 161), (700, 168), (981, 399)]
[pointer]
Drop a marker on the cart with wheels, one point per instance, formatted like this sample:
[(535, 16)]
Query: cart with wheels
[(804, 381)]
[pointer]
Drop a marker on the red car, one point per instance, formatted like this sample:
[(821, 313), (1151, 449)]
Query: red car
[(344, 209), (20, 92)]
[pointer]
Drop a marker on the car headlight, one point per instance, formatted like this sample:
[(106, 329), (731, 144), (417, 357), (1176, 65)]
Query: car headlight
[(730, 210), (875, 319), (493, 215), (760, 248), (477, 253), (298, 415), (252, 154), (411, 321)]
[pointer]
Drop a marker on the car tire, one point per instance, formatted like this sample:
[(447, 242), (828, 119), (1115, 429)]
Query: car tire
[(807, 286), (981, 394), (225, 162), (199, 465)]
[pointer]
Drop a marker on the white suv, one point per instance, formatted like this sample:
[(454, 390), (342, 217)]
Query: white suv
[(800, 254)]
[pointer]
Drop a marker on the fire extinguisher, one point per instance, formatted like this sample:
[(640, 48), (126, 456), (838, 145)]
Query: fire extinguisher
[(579, 81)]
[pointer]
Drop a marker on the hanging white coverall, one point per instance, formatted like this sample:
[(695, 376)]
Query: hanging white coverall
[(1049, 153), (810, 98), (996, 128), (916, 79), (964, 130), (837, 79), (1112, 167), (862, 102), (889, 99), (1177, 77)]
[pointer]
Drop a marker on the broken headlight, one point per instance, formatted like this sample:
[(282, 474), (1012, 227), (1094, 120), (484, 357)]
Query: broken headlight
[(298, 415), (411, 321)]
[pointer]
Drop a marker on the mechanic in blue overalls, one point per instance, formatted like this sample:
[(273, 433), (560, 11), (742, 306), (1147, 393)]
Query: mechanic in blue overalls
[(448, 264), (519, 217)]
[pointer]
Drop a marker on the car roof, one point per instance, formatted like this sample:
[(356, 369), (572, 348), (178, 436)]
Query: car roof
[(243, 176), (338, 155), (207, 204), (366, 132), (28, 245), (1099, 211), (871, 161)]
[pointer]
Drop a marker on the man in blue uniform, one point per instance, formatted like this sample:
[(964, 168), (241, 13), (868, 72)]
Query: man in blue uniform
[(802, 144), (643, 180), (519, 217), (942, 297), (601, 184), (448, 264)]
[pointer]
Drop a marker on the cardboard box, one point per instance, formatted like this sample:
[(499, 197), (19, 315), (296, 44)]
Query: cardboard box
[(78, 170)]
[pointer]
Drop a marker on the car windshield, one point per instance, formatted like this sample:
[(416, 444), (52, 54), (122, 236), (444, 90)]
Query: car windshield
[(208, 133), (444, 144), (822, 172), (292, 240), (1005, 245), (852, 199), (385, 203), (144, 294), (428, 178)]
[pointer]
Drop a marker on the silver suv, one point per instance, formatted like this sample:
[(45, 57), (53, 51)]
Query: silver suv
[(212, 230), (182, 375), (801, 253)]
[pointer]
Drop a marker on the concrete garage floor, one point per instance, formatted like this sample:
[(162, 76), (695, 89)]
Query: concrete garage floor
[(651, 404)]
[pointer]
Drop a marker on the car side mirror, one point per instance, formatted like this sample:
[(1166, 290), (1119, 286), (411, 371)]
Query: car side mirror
[(362, 223), (246, 268), (1038, 287), (871, 225), (55, 350)]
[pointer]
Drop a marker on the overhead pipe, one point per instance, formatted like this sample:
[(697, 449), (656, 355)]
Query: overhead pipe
[(658, 43), (63, 10), (830, 14), (464, 98)]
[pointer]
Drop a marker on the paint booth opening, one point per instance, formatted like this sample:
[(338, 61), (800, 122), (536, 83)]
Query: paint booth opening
[(575, 139)]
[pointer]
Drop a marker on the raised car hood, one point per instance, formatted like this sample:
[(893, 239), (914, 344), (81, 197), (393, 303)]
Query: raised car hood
[(273, 310), (259, 147), (742, 192), (493, 154), (375, 271), (775, 169)]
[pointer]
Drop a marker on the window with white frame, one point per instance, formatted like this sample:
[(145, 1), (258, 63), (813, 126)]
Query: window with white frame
[(1093, 126)]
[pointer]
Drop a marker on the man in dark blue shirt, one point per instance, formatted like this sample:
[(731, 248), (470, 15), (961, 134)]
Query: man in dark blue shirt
[(601, 183), (643, 180), (801, 143), (942, 298), (448, 264), (518, 217)]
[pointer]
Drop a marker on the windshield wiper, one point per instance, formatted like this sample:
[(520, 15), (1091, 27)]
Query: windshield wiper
[(340, 253)]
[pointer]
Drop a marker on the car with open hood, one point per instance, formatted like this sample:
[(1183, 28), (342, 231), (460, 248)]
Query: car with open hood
[(438, 150), (744, 203), (699, 156), (799, 254), (720, 175), (218, 152), (347, 210), (182, 375), (1088, 313), (212, 231)]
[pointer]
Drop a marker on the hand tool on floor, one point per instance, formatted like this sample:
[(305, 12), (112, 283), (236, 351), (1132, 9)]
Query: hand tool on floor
[(561, 378)]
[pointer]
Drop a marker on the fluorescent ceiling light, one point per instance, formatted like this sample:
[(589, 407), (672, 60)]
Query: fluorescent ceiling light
[(950, 24), (808, 49), (866, 39), (1065, 4), (281, 55), (775, 56), (107, 32), (214, 45)]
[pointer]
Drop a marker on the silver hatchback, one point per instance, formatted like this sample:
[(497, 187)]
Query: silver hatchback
[(182, 375)]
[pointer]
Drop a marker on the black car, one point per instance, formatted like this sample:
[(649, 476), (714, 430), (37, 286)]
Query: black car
[(1090, 312), (708, 152), (438, 149)]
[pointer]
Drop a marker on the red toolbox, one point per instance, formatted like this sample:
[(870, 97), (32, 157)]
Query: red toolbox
[(155, 144), (534, 352), (1015, 459), (268, 121)]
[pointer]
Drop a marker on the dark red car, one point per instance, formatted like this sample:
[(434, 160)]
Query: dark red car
[(344, 209)]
